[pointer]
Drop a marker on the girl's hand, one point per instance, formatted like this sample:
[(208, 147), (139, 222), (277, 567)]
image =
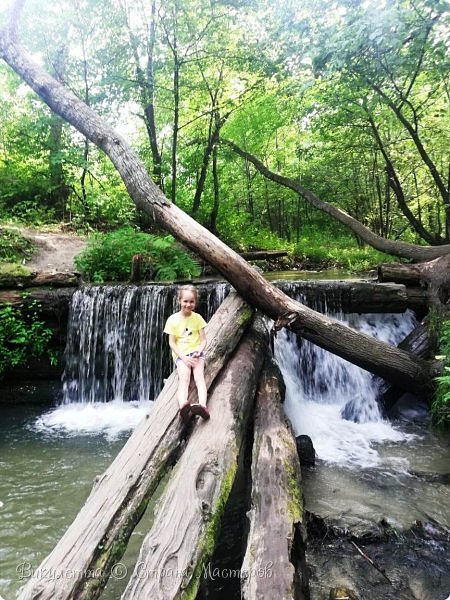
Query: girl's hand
[(189, 361)]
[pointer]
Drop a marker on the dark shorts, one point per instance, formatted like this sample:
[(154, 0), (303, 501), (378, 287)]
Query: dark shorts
[(202, 355)]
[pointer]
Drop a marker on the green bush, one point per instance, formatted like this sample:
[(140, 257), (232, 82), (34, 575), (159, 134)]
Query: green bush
[(22, 335), (14, 247), (108, 256), (440, 408)]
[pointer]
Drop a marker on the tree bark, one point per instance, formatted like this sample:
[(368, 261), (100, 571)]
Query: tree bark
[(361, 349), (174, 553), (276, 516), (410, 275), (40, 279), (395, 247), (80, 564), (433, 275)]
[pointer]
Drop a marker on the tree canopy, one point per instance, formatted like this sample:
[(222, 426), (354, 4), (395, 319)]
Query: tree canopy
[(350, 99)]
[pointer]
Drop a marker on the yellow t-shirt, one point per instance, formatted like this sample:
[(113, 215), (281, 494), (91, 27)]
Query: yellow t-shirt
[(186, 331)]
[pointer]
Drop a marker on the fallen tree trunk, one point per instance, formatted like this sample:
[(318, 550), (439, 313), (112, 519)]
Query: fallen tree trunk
[(394, 247), (274, 560), (433, 275), (400, 273), (348, 296), (358, 348), (356, 296), (263, 254), (54, 303), (40, 279), (174, 553), (79, 565)]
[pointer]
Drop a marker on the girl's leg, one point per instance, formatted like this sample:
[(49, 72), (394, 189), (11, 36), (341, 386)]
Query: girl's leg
[(199, 378), (184, 378)]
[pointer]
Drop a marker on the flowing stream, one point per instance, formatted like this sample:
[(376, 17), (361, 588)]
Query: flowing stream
[(116, 360)]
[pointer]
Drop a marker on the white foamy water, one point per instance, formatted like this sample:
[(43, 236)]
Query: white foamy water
[(319, 385), (92, 418)]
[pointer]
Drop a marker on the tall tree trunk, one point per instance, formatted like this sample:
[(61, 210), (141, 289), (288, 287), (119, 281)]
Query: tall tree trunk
[(215, 208), (176, 117), (215, 126), (59, 191), (361, 349), (146, 87), (397, 110), (396, 186)]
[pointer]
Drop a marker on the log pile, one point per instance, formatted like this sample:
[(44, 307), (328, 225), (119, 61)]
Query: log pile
[(182, 538)]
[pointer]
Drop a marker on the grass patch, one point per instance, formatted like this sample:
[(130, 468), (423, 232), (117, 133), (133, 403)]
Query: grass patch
[(326, 250)]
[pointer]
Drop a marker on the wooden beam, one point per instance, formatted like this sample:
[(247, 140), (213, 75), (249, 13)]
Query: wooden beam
[(187, 522), (80, 564), (269, 569)]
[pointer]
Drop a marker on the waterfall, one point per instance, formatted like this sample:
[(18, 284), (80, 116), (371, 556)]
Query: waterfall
[(116, 352), (116, 349), (320, 385)]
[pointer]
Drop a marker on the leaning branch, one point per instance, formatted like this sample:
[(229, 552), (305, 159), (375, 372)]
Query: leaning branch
[(402, 249)]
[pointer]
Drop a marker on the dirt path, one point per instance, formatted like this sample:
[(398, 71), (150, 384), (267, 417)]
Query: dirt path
[(56, 251)]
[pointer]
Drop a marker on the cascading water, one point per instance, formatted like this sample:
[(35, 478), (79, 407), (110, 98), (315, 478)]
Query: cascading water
[(115, 345), (117, 356), (320, 386)]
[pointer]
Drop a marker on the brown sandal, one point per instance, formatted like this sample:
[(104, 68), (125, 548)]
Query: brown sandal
[(201, 411)]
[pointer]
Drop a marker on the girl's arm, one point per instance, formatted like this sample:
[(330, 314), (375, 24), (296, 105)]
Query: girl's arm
[(202, 340), (202, 345), (173, 345)]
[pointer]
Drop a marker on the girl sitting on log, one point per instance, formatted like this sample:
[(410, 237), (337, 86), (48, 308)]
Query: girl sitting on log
[(187, 340)]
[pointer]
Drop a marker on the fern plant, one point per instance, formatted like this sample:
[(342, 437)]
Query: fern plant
[(108, 257)]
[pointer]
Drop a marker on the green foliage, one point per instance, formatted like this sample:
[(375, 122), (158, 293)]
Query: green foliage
[(440, 408), (108, 257), (14, 247), (22, 335)]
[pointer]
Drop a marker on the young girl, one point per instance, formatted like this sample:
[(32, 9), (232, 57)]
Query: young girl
[(187, 340)]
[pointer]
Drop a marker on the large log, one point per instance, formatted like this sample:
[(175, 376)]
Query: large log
[(433, 275), (272, 566), (357, 296), (358, 348), (174, 552), (40, 279), (79, 565), (52, 302), (400, 273), (349, 296), (263, 254)]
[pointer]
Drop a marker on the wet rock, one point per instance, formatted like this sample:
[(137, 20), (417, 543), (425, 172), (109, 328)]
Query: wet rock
[(305, 450), (360, 410), (342, 593)]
